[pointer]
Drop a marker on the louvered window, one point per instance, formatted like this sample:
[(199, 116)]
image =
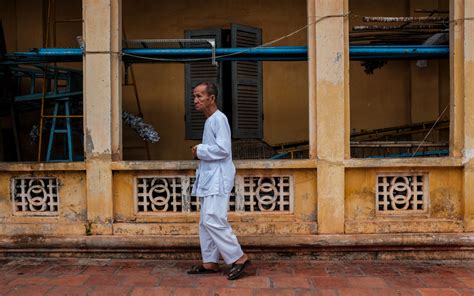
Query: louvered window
[(239, 84), (196, 72)]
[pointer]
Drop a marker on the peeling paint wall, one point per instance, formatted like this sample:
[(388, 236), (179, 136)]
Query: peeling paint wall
[(72, 216), (445, 210), (301, 221)]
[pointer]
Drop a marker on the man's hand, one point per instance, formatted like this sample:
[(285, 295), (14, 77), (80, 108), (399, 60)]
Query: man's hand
[(194, 152)]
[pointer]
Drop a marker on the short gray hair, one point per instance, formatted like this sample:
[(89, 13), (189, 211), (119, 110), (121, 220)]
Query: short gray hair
[(211, 87)]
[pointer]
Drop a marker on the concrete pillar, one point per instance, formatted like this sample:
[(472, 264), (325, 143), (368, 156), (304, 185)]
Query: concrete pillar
[(456, 60), (311, 11), (102, 33), (332, 99), (468, 118), (116, 35)]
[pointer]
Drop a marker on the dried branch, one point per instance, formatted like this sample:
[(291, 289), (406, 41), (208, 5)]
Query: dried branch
[(144, 130)]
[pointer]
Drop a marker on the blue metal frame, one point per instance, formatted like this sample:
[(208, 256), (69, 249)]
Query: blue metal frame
[(60, 99), (67, 132), (48, 96)]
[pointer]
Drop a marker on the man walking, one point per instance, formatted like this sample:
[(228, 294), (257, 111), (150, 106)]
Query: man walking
[(214, 182)]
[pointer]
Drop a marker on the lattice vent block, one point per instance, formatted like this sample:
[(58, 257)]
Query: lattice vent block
[(172, 194), (35, 196), (162, 194), (264, 194), (402, 193)]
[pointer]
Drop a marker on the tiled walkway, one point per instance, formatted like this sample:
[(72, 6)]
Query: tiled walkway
[(153, 277)]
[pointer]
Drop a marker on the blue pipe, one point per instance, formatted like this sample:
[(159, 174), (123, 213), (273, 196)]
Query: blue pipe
[(282, 53), (51, 52), (398, 51)]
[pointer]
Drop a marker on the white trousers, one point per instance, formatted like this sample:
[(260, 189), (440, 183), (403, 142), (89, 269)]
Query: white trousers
[(215, 233)]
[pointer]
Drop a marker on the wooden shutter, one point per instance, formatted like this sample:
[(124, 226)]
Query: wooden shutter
[(196, 72), (247, 101)]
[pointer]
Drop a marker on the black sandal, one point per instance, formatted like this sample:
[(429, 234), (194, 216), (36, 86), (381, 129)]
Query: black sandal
[(237, 269), (200, 269)]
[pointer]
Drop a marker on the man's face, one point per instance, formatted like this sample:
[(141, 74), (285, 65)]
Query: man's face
[(202, 100)]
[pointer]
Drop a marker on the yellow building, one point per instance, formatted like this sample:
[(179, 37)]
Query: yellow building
[(131, 197)]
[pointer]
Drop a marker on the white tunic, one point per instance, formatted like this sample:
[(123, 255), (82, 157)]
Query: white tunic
[(216, 171)]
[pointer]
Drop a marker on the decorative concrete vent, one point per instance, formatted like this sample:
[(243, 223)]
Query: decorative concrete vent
[(403, 193), (35, 196), (162, 194), (250, 194), (264, 194)]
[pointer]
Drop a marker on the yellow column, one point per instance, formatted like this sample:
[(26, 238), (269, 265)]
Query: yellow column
[(332, 60), (311, 10), (101, 105), (116, 37), (456, 56), (468, 118)]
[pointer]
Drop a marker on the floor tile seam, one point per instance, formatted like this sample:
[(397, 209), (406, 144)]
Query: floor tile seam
[(391, 285), (70, 285), (133, 288), (134, 285), (51, 290), (377, 290), (307, 280), (425, 281), (45, 293), (459, 294), (94, 288)]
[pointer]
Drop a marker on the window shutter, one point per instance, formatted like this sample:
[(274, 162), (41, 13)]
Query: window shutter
[(247, 102), (196, 72)]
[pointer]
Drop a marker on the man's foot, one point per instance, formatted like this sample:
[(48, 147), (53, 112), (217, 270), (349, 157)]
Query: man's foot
[(242, 259), (211, 265), (204, 268), (238, 267)]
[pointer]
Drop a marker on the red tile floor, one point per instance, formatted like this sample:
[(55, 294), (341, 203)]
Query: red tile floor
[(291, 277)]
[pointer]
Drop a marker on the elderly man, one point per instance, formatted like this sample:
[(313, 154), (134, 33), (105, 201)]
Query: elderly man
[(214, 182)]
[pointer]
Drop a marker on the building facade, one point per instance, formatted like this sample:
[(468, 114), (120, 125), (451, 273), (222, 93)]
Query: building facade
[(327, 202)]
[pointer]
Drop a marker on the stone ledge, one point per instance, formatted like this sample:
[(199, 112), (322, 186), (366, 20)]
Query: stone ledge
[(404, 162), (303, 247), (192, 165), (384, 225), (41, 166), (240, 164), (241, 228), (372, 241)]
